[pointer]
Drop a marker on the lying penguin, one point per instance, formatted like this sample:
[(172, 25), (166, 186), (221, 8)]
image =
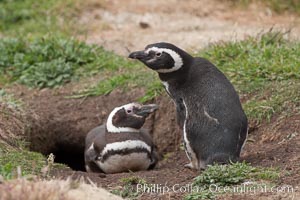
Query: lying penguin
[(208, 108), (121, 144)]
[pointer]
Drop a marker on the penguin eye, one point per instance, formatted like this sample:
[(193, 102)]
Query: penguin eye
[(128, 111), (158, 54)]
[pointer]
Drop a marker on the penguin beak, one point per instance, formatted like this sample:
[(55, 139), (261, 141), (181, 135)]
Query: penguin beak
[(140, 55), (145, 110)]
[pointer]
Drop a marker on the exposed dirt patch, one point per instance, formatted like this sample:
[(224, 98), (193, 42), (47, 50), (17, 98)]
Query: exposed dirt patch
[(277, 144), (193, 24)]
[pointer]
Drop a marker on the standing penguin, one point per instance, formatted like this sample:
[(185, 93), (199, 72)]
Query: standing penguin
[(208, 108), (121, 144)]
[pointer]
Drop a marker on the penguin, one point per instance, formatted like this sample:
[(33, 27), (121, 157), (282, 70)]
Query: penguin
[(121, 145), (208, 108)]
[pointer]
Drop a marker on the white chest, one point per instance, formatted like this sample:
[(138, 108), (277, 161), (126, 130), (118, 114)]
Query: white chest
[(121, 163)]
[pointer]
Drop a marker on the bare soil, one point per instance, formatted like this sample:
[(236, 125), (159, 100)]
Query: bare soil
[(121, 26)]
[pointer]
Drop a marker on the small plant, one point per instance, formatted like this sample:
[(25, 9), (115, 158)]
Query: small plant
[(50, 61), (232, 174), (228, 175), (6, 171), (50, 163), (128, 189), (205, 194)]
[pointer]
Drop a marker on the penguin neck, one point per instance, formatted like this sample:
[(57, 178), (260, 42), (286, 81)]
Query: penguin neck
[(178, 77), (114, 129), (121, 129)]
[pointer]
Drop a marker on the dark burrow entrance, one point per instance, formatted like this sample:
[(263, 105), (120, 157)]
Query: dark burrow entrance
[(67, 150), (70, 157)]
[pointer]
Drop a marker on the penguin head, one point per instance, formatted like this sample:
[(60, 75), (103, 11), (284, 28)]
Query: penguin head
[(129, 118), (162, 57)]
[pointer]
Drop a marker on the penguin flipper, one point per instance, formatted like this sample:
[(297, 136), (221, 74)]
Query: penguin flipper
[(95, 141), (180, 112), (154, 155)]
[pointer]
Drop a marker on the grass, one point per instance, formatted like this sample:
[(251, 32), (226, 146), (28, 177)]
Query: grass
[(31, 18), (128, 190), (29, 162), (278, 6), (276, 97), (254, 62), (233, 174), (221, 176), (10, 100), (52, 61)]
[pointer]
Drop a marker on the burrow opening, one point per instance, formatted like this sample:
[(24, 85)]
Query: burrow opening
[(70, 156), (67, 148)]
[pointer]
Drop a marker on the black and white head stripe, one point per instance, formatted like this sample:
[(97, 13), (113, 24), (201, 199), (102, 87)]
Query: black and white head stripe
[(112, 128), (178, 61)]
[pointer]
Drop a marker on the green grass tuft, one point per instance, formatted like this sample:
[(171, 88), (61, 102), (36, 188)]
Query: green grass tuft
[(254, 62), (52, 61), (233, 174), (205, 194), (128, 190), (229, 175), (276, 97), (30, 163), (32, 18)]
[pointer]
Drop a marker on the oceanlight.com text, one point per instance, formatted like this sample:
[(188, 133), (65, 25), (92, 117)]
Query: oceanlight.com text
[(190, 188)]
